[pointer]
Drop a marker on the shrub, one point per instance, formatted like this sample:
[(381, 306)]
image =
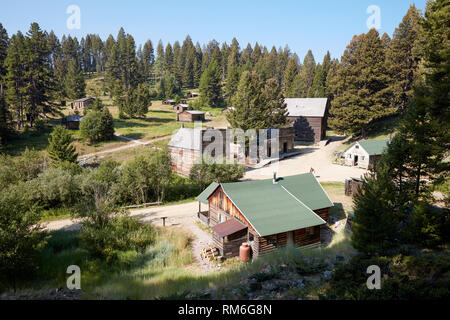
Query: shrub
[(97, 126), (121, 233), (205, 173)]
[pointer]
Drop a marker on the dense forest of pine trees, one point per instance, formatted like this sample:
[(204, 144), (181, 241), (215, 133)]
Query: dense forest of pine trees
[(372, 80)]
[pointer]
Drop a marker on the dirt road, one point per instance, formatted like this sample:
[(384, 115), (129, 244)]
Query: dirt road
[(182, 215), (311, 157)]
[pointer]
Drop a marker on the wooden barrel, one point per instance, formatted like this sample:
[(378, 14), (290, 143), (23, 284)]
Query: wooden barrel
[(244, 252)]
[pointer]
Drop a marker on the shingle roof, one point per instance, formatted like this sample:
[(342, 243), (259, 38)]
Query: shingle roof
[(374, 147), (186, 138), (84, 99), (228, 227), (306, 107), (275, 208)]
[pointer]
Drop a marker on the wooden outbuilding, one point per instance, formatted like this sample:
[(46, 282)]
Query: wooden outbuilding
[(181, 107), (268, 214), (169, 102), (309, 117), (192, 95), (80, 104), (73, 122), (191, 116), (352, 185), (365, 154)]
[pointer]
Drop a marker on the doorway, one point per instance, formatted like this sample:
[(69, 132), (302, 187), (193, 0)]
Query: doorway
[(290, 238), (285, 147), (355, 161)]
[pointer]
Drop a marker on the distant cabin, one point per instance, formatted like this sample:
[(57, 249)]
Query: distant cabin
[(181, 107), (73, 122), (309, 117), (191, 116), (80, 104), (192, 94), (267, 214), (352, 186), (365, 153), (169, 102)]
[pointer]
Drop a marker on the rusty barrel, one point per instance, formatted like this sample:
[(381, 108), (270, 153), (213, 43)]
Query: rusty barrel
[(244, 252)]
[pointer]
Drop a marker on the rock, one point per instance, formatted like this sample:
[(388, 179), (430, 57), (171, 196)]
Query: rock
[(270, 286), (254, 286)]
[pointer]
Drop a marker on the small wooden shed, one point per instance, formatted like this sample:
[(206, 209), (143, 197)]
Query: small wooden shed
[(181, 107), (80, 104), (191, 116), (352, 185), (364, 154), (73, 122), (169, 102), (228, 237)]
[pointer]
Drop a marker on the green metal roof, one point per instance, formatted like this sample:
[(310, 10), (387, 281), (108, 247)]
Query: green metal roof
[(203, 197), (276, 208), (374, 147)]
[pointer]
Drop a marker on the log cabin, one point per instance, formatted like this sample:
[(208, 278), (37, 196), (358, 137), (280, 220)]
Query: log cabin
[(365, 154), (169, 102), (73, 122), (190, 116), (181, 107), (268, 214), (80, 104), (309, 117)]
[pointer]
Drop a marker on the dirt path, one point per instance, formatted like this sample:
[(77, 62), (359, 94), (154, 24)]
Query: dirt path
[(311, 157), (133, 143), (182, 215)]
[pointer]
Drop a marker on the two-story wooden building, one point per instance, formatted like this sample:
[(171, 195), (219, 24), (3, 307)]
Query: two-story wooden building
[(267, 214)]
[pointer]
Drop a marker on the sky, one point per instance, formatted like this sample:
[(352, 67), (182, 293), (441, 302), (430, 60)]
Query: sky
[(319, 25)]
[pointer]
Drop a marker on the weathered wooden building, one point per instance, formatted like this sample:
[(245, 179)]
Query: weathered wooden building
[(192, 95), (73, 122), (80, 104), (268, 214), (181, 107), (169, 102), (352, 186), (190, 116), (309, 117), (364, 154), (186, 147)]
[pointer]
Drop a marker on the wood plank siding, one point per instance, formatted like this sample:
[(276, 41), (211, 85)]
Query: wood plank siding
[(221, 208), (309, 128)]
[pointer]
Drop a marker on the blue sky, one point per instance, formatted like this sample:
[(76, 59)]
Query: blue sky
[(319, 25)]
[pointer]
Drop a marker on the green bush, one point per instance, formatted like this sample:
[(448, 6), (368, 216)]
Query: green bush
[(97, 126), (121, 233)]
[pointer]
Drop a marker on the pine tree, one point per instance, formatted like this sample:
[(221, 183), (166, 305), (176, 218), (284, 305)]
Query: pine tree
[(403, 57), (60, 148), (258, 105), (360, 86), (210, 85), (4, 114), (232, 83), (168, 59), (289, 76), (16, 88), (37, 74), (75, 85), (319, 86), (305, 78)]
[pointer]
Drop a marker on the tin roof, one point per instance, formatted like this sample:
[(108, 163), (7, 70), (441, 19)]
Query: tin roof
[(194, 112), (228, 227), (85, 99), (203, 197), (74, 118), (306, 107), (186, 138), (374, 147)]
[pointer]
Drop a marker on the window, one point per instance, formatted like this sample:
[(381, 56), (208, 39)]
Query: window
[(221, 200), (362, 158), (356, 147), (251, 237), (272, 240), (349, 156), (310, 231)]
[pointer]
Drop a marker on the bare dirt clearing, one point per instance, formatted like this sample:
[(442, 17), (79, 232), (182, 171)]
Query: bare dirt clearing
[(320, 159)]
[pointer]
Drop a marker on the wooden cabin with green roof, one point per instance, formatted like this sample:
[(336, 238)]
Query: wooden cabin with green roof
[(365, 153), (271, 213)]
